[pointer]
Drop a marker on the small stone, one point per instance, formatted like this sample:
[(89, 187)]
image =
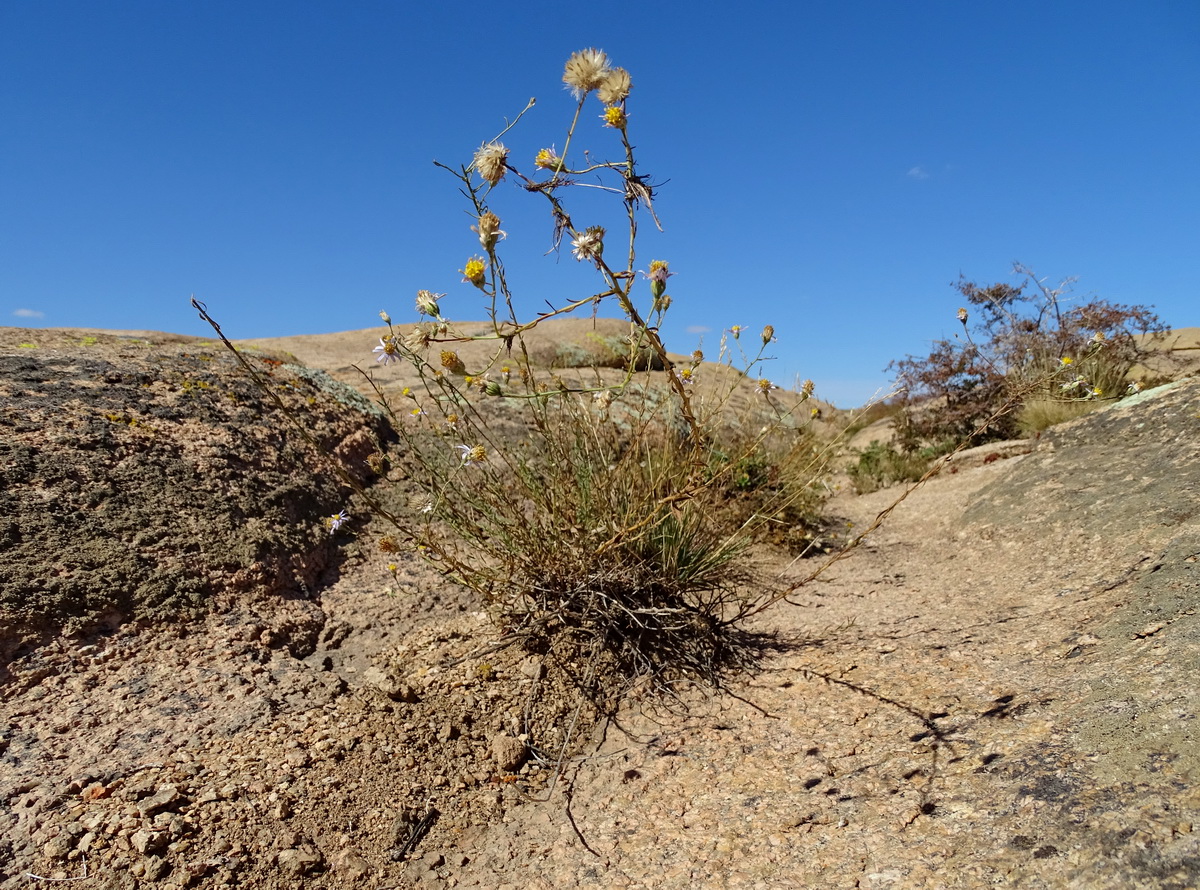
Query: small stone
[(147, 841), (298, 861), (532, 668), (58, 847), (433, 859), (156, 868), (390, 685), (95, 791), (166, 796), (297, 758), (352, 865), (509, 753)]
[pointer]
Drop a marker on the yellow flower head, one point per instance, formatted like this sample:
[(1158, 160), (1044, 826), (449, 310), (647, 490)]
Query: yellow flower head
[(473, 271), (962, 315), (452, 363), (491, 162), (657, 276), (547, 159), (472, 454), (1066, 360), (615, 88), (614, 116), (585, 71)]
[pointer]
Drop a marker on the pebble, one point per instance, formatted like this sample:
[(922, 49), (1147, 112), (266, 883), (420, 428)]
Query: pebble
[(298, 861)]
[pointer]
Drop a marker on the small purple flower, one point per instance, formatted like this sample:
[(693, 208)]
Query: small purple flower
[(387, 350)]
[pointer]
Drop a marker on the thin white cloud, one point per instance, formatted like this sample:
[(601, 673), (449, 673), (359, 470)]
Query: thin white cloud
[(918, 173), (29, 313), (697, 329)]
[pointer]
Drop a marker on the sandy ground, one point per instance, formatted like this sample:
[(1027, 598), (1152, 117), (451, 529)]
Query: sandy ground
[(999, 688)]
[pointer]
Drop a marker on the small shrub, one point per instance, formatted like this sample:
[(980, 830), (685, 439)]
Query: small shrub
[(882, 464), (1029, 344)]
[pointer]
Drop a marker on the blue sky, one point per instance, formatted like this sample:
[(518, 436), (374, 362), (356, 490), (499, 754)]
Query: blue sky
[(832, 167)]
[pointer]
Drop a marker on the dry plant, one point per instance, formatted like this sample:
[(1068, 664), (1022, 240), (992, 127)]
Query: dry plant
[(1029, 341), (593, 514)]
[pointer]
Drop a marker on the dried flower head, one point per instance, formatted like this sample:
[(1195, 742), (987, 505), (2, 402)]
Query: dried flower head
[(807, 388), (589, 245), (417, 339), (388, 544), (472, 272), (452, 363), (603, 399), (427, 303), (615, 88), (421, 503), (768, 334), (387, 319), (697, 357), (585, 71), (962, 315), (388, 350), (614, 116), (491, 162), (489, 230), (377, 462)]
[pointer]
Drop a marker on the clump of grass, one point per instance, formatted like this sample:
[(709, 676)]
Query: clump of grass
[(1039, 414), (603, 511), (597, 516)]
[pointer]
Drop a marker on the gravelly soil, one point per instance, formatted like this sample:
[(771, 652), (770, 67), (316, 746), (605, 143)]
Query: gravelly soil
[(999, 688)]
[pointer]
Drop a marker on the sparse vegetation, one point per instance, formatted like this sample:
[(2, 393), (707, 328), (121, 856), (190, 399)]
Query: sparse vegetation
[(1029, 347), (603, 514), (882, 464)]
